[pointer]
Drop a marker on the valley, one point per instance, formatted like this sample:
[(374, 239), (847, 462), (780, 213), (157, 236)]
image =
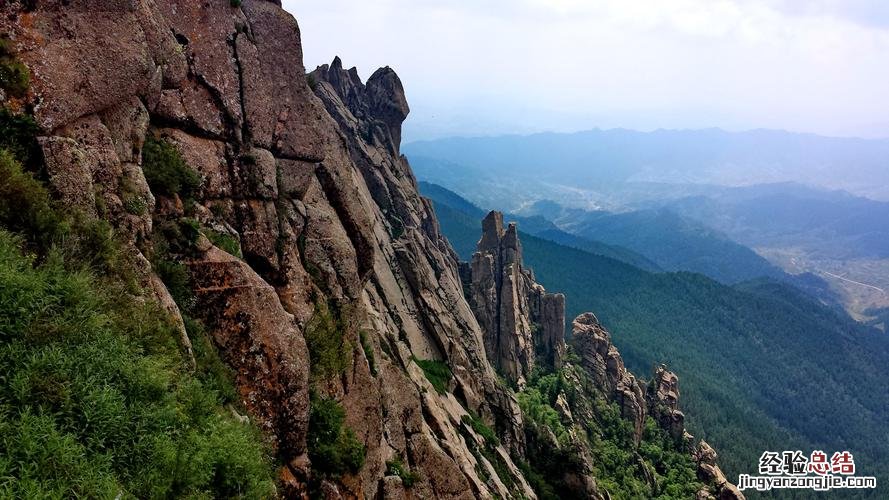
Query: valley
[(752, 355)]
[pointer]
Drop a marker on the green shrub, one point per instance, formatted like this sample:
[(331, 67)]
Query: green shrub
[(396, 468), (166, 171), (25, 204), (235, 3), (176, 237), (368, 351), (329, 352), (538, 411), (437, 372), (133, 201), (26, 209), (333, 448), (211, 370), (95, 399), (224, 241), (14, 76), (481, 429), (18, 135), (175, 277), (538, 483), (135, 205), (671, 464)]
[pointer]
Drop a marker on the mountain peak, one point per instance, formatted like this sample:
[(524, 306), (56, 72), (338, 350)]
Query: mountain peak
[(380, 103)]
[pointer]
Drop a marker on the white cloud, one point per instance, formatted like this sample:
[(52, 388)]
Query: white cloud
[(520, 65)]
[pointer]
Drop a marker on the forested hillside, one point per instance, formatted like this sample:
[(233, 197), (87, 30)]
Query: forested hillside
[(675, 243), (763, 366), (542, 227)]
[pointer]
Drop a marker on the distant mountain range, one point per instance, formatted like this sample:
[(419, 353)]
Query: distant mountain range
[(539, 226), (733, 206), (763, 365), (650, 239), (595, 160), (827, 224), (675, 243)]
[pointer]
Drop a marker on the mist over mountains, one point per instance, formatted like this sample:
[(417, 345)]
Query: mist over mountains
[(754, 352), (594, 160), (803, 208)]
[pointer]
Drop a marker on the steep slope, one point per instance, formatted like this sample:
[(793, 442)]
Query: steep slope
[(763, 365), (593, 429), (344, 279), (673, 242), (273, 208)]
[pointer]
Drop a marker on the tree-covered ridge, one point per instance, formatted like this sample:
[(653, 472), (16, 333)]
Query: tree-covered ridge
[(542, 228), (763, 366), (657, 467)]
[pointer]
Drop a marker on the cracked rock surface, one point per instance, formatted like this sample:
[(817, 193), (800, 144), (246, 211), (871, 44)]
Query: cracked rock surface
[(303, 175)]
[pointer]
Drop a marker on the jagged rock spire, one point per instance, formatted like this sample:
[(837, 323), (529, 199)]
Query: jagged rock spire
[(380, 103), (523, 325)]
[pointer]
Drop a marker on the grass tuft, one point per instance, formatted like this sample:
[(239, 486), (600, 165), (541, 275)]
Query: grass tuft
[(437, 372)]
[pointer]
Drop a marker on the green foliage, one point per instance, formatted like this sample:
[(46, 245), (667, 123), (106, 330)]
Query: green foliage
[(135, 205), (95, 400), (673, 467), (751, 357), (176, 237), (166, 171), (26, 209), (310, 79), (397, 468), (437, 372), (333, 448), (329, 351), (18, 135), (538, 411), (171, 240), (618, 464), (481, 429), (538, 482), (235, 3), (14, 76), (133, 201), (224, 241), (213, 373), (368, 351), (25, 204), (175, 277), (609, 438)]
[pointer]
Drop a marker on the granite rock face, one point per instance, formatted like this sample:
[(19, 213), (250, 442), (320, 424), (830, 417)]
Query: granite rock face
[(303, 174), (523, 328), (523, 324), (709, 472), (663, 400), (302, 183)]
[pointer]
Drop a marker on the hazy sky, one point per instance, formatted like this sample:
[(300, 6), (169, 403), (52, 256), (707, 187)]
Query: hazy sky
[(476, 67)]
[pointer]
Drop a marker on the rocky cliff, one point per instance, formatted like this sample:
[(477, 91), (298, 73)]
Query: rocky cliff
[(318, 270), (523, 328), (523, 325)]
